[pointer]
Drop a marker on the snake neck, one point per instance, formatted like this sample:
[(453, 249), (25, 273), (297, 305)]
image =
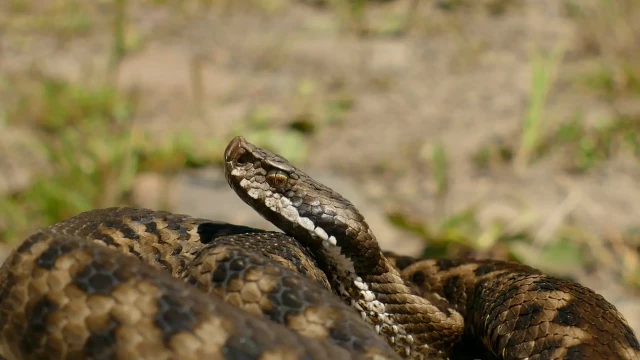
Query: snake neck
[(340, 239)]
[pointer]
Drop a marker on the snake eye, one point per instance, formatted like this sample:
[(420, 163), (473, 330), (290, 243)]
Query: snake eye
[(277, 179)]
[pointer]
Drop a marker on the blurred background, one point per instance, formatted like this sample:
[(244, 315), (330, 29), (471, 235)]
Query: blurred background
[(463, 128)]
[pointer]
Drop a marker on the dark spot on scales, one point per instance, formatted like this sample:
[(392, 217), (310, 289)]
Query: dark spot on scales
[(32, 240), (567, 316), (340, 333), (403, 262), (450, 288), (165, 264), (528, 314), (577, 352), (96, 278), (484, 269), (102, 343), (291, 299), (210, 231), (36, 326), (631, 338), (177, 227), (48, 257), (219, 275), (174, 316), (446, 264), (5, 289), (545, 285), (108, 240), (418, 277), (241, 348), (113, 223), (152, 228)]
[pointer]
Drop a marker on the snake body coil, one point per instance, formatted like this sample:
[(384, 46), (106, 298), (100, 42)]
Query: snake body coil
[(124, 283)]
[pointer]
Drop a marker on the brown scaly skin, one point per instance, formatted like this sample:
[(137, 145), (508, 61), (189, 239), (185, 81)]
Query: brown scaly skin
[(252, 272), (65, 295), (516, 311)]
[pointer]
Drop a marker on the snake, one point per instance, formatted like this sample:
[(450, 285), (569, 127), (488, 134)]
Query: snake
[(134, 283)]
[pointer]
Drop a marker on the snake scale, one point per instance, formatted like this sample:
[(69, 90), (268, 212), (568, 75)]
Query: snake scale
[(127, 283)]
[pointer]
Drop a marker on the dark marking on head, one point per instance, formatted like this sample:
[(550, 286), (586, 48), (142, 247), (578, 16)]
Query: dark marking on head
[(36, 327), (47, 259), (102, 343), (175, 315)]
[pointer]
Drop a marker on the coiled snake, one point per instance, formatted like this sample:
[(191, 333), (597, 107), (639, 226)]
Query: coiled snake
[(126, 283)]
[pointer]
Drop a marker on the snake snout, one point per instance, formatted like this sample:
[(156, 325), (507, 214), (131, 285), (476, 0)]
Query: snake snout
[(239, 153), (234, 150)]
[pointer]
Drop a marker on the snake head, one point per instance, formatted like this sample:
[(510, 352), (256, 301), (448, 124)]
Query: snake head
[(320, 218)]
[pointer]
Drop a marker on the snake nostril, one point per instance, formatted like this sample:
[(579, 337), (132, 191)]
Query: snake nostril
[(245, 158)]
